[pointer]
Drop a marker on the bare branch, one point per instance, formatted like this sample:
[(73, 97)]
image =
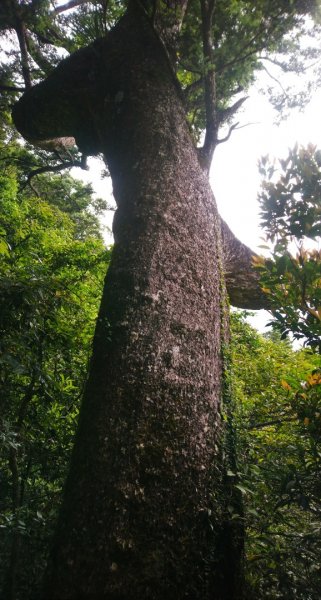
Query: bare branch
[(230, 131), (68, 164), (68, 6), (11, 88), (279, 421), (286, 67), (275, 62), (276, 80)]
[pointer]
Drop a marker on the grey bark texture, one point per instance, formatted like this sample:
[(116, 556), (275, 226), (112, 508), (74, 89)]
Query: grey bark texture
[(241, 278), (144, 515)]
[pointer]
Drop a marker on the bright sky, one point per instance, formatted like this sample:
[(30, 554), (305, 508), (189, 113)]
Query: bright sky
[(235, 178), (234, 175)]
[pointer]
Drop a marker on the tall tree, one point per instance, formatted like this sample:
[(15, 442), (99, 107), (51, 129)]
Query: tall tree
[(144, 512)]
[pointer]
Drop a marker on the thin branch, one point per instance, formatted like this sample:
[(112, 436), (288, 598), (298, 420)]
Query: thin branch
[(167, 22), (255, 37), (48, 40), (11, 88), (211, 7), (248, 124), (237, 60), (276, 80), (233, 128), (230, 131), (285, 67), (276, 63), (38, 57), (271, 423), (26, 401), (24, 478), (190, 69), (105, 6), (36, 193), (68, 164), (68, 6)]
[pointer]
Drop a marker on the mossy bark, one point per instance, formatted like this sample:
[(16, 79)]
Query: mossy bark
[(144, 511)]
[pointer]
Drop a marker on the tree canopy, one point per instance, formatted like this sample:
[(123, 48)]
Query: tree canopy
[(214, 49)]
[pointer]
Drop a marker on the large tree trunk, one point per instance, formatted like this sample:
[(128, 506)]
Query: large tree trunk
[(144, 511)]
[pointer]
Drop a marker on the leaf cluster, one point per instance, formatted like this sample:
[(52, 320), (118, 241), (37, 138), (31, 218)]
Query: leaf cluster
[(278, 399), (290, 201), (242, 36)]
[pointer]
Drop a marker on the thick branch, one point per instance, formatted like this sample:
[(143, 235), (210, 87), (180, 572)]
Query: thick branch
[(22, 39), (167, 20), (210, 141), (242, 279), (68, 164), (75, 97)]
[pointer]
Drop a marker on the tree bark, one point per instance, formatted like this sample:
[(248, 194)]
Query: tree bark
[(241, 277), (144, 512)]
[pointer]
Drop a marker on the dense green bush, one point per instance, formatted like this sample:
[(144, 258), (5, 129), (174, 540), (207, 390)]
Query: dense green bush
[(278, 398), (52, 265)]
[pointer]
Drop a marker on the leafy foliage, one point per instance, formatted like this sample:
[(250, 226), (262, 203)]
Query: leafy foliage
[(291, 213), (244, 37), (278, 395), (52, 266)]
